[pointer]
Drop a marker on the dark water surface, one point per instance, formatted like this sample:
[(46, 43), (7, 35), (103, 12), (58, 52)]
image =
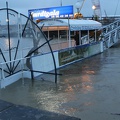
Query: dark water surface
[(89, 89)]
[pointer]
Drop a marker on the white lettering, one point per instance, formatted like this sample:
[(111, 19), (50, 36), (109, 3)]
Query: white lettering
[(46, 14)]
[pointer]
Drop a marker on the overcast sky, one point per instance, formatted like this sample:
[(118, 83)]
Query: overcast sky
[(112, 7)]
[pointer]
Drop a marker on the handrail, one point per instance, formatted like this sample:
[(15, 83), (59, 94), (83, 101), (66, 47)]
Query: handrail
[(2, 74)]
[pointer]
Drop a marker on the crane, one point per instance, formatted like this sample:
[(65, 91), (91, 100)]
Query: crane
[(96, 7), (83, 1)]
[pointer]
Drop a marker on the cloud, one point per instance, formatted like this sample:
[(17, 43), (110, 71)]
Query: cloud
[(22, 6)]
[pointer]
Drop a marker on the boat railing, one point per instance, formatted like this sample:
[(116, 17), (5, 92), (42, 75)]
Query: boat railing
[(87, 39), (62, 44), (110, 27), (84, 40), (57, 45), (110, 34)]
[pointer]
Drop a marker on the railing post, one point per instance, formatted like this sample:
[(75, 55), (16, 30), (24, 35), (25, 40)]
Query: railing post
[(88, 36), (95, 36), (22, 67), (2, 75)]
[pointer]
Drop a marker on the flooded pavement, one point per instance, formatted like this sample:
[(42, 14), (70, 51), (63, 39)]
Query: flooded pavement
[(88, 89)]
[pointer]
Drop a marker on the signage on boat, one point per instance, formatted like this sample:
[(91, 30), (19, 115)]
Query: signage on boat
[(82, 27), (53, 12)]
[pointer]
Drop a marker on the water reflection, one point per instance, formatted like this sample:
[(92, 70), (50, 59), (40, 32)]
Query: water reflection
[(87, 84), (24, 43)]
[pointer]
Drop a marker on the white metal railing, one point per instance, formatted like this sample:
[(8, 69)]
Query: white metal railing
[(22, 53), (3, 66), (111, 34), (110, 27), (85, 40)]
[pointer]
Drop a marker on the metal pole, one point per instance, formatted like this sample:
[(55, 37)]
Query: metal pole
[(88, 36), (9, 36), (80, 43), (69, 32), (61, 3), (95, 36)]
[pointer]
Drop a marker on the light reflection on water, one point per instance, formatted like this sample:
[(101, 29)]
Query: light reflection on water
[(82, 87), (47, 95)]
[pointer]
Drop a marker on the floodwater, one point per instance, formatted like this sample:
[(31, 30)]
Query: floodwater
[(89, 89)]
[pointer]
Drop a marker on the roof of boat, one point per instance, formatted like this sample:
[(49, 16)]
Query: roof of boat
[(74, 24)]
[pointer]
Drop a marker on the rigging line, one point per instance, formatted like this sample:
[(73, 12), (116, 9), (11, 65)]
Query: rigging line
[(116, 8), (82, 5)]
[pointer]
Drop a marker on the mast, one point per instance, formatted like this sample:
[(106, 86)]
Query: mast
[(116, 8)]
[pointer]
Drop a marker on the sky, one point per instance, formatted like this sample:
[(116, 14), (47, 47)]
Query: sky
[(110, 7)]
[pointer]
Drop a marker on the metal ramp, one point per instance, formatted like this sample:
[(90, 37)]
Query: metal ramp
[(110, 34)]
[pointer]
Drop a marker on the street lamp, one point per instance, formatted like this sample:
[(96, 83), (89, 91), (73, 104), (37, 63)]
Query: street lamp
[(78, 5), (94, 9)]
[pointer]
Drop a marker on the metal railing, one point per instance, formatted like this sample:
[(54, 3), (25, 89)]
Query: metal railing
[(3, 71), (110, 34)]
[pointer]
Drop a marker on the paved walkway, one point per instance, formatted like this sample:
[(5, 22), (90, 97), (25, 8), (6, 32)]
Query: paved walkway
[(9, 111)]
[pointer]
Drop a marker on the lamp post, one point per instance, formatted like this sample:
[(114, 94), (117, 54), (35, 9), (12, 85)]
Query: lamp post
[(94, 7), (78, 5), (60, 2), (95, 18)]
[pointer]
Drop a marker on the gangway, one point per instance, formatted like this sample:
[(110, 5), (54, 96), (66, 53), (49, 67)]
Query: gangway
[(110, 35)]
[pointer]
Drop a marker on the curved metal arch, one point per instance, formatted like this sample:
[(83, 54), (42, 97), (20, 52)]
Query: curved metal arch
[(9, 9), (47, 42), (8, 29)]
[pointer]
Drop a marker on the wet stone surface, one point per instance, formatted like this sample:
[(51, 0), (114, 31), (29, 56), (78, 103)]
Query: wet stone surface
[(10, 111), (5, 105)]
